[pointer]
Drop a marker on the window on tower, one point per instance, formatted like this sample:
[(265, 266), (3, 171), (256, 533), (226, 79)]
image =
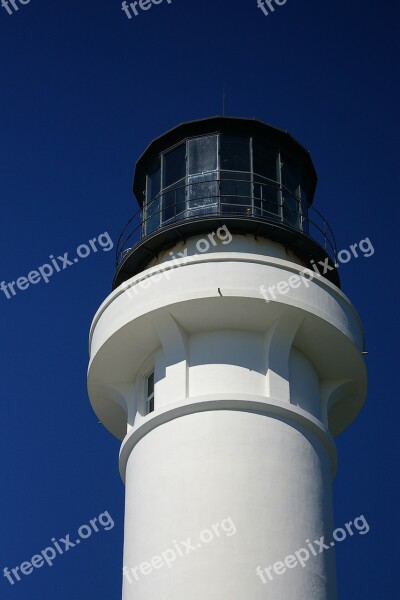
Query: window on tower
[(202, 154), (291, 199), (149, 392), (174, 172), (202, 181), (235, 175), (153, 212)]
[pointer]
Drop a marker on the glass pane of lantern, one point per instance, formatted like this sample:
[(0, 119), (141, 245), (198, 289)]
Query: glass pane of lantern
[(290, 176), (152, 212), (203, 194), (203, 154), (153, 184), (174, 165), (236, 193), (304, 212), (291, 210), (153, 215), (265, 160), (174, 201), (235, 153), (291, 193), (266, 198)]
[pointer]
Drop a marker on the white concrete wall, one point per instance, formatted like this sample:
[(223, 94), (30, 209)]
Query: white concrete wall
[(226, 362), (271, 479), (247, 395)]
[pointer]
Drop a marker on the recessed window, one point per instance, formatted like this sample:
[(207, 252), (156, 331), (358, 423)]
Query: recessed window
[(149, 393)]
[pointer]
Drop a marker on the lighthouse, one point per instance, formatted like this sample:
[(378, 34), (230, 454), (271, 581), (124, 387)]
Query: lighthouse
[(226, 359)]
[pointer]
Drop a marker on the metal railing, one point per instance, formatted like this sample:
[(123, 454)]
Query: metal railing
[(258, 198)]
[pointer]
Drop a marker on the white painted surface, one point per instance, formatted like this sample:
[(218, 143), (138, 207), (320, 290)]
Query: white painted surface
[(272, 479), (245, 395)]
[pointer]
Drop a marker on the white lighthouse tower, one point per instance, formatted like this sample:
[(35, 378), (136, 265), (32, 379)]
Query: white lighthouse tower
[(226, 359)]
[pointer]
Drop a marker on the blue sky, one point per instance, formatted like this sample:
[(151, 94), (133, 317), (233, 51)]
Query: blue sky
[(84, 89)]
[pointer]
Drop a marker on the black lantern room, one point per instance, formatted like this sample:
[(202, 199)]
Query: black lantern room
[(252, 177)]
